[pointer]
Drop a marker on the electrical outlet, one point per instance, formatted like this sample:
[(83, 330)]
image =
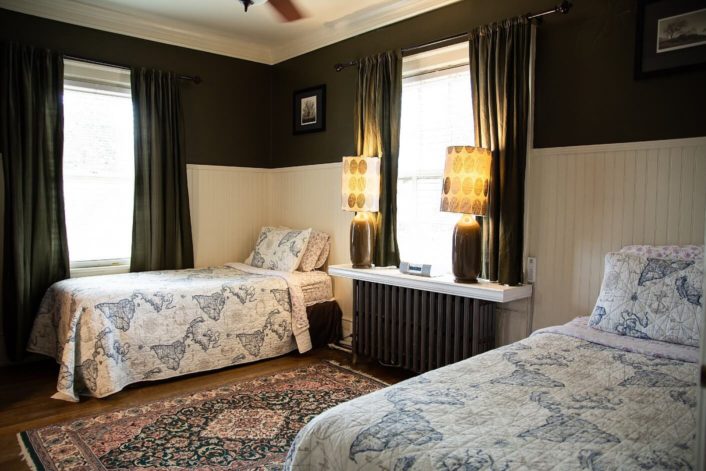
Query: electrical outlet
[(531, 269)]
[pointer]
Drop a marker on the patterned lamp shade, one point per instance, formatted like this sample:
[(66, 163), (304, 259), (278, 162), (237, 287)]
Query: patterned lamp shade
[(360, 184), (466, 180)]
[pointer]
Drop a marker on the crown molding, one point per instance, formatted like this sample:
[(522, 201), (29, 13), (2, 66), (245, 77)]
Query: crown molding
[(143, 26), (356, 24), (181, 34)]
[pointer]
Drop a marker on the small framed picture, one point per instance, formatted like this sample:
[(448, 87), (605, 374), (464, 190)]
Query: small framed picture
[(671, 36), (310, 110)]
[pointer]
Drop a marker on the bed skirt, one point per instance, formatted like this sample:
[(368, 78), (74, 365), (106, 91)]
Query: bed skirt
[(325, 323)]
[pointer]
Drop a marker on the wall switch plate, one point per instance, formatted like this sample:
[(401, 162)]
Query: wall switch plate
[(531, 269)]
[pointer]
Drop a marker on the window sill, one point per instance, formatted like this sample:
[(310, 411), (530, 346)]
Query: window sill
[(97, 271)]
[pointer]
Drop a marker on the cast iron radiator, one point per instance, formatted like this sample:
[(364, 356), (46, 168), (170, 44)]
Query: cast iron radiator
[(419, 330)]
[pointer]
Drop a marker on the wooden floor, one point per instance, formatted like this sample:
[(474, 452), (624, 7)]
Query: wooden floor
[(25, 392)]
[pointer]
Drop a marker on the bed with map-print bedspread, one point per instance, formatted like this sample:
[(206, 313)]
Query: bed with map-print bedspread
[(568, 397), (110, 331)]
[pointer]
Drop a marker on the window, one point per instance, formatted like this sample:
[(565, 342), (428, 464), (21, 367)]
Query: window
[(437, 112), (99, 165)]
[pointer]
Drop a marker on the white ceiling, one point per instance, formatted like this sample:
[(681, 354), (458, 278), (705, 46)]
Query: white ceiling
[(222, 27)]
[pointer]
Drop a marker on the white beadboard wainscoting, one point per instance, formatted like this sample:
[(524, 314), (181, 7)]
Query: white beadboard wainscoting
[(228, 207), (587, 201)]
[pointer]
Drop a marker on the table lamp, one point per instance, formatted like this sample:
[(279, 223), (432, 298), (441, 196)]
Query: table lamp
[(360, 192), (465, 190)]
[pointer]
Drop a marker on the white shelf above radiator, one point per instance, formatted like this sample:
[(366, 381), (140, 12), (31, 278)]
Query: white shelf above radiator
[(483, 290)]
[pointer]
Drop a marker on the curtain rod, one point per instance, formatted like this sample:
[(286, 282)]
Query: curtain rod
[(562, 8), (192, 78)]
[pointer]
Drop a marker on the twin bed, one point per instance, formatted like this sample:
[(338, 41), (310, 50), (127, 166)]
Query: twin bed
[(568, 397), (613, 391), (107, 332), (110, 331)]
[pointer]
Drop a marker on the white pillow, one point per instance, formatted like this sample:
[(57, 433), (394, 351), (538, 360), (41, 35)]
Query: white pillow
[(317, 243), (651, 298), (672, 252), (279, 249)]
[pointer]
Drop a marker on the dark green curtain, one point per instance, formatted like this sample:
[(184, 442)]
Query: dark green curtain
[(500, 78), (35, 251), (161, 230), (377, 128)]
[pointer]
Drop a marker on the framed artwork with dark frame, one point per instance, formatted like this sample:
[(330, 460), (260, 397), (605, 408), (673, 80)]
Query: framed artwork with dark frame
[(671, 36), (309, 110)]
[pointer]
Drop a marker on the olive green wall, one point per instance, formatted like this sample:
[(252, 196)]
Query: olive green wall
[(226, 118), (242, 114), (585, 92)]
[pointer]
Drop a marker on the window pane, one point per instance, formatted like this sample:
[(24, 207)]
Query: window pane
[(436, 113), (99, 173)]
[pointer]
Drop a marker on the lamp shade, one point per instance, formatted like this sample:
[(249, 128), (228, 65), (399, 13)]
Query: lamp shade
[(360, 184), (466, 180)]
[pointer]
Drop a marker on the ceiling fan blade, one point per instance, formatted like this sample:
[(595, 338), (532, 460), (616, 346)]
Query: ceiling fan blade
[(287, 10)]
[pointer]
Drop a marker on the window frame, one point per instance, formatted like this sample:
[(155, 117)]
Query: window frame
[(440, 62), (115, 81), (439, 71), (99, 267)]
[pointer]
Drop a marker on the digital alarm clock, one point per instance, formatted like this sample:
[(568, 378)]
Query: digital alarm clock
[(420, 269)]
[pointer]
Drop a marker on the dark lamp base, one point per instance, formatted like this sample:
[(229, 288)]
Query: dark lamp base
[(362, 240), (466, 251), (466, 281)]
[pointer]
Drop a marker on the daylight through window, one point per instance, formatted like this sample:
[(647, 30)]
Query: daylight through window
[(98, 164), (436, 113)]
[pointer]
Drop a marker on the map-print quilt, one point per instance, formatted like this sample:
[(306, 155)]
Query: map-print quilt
[(552, 401), (110, 331)]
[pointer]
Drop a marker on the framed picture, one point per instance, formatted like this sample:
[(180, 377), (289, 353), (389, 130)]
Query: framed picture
[(671, 36), (310, 110)]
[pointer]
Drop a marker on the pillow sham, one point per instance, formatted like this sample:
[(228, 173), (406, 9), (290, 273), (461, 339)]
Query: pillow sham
[(650, 298), (674, 252), (279, 249), (248, 260), (317, 242), (323, 256)]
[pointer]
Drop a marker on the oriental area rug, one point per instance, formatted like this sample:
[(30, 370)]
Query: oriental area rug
[(246, 425)]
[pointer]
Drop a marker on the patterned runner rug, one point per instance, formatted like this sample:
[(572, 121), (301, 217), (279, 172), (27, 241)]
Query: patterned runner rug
[(246, 425)]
